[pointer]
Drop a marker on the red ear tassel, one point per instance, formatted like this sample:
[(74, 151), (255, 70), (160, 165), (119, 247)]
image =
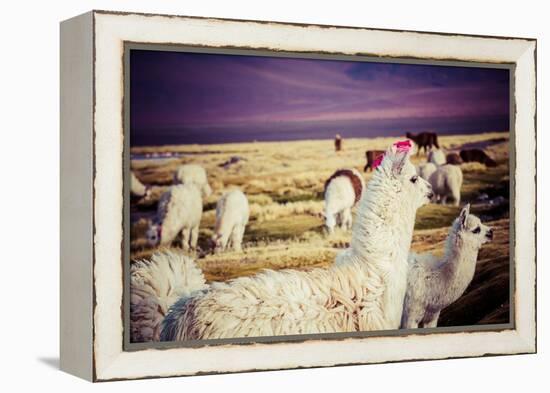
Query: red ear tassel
[(377, 161), (402, 146)]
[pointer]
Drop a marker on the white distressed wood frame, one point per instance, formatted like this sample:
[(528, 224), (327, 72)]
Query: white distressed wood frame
[(92, 195)]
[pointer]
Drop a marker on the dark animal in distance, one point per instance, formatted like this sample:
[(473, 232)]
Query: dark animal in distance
[(232, 160), (424, 140), (454, 159), (371, 155), (337, 142), (477, 155)]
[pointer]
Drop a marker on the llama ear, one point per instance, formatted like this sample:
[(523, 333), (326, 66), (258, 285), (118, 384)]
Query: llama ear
[(399, 160), (464, 215)]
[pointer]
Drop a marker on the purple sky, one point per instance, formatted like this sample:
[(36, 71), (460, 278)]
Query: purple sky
[(179, 98)]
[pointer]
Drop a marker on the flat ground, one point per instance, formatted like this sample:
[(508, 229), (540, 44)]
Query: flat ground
[(284, 183)]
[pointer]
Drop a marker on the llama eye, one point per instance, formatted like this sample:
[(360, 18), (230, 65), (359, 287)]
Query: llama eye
[(477, 230), (414, 179)]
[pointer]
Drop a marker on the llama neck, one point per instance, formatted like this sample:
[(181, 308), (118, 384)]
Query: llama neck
[(384, 225), (460, 262), (381, 239)]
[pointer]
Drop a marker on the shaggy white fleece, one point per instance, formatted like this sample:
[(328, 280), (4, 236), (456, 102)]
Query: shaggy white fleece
[(434, 283), (179, 210), (446, 182), (196, 174), (232, 213), (154, 286), (363, 291)]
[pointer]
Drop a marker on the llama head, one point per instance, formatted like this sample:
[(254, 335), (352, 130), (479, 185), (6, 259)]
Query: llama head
[(469, 229), (330, 222), (148, 195), (397, 169), (153, 234), (216, 243)]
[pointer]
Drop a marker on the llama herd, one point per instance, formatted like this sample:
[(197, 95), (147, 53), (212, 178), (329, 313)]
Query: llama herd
[(180, 208), (374, 284)]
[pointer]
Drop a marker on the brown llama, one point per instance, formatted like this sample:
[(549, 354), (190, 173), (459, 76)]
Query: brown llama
[(477, 155), (424, 140), (337, 143)]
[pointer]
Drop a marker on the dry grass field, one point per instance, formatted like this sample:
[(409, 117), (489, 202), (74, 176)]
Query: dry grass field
[(284, 183)]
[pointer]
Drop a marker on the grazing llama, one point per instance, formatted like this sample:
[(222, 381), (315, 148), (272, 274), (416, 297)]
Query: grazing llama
[(434, 283), (446, 182), (232, 213), (477, 155), (154, 286), (343, 191), (193, 173), (363, 292), (179, 210)]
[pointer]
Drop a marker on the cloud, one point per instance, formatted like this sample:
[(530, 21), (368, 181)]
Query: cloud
[(175, 89)]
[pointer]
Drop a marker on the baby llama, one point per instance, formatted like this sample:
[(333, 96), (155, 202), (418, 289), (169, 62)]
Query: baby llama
[(343, 191), (154, 286), (193, 173), (434, 283), (363, 291), (232, 214), (179, 210), (446, 182)]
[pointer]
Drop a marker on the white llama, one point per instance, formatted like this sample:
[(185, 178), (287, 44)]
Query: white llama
[(154, 286), (179, 210), (193, 173), (363, 292), (343, 191), (437, 157), (232, 212), (434, 283), (426, 169), (446, 182)]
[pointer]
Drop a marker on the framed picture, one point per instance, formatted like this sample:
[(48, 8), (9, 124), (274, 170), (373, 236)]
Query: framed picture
[(245, 195)]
